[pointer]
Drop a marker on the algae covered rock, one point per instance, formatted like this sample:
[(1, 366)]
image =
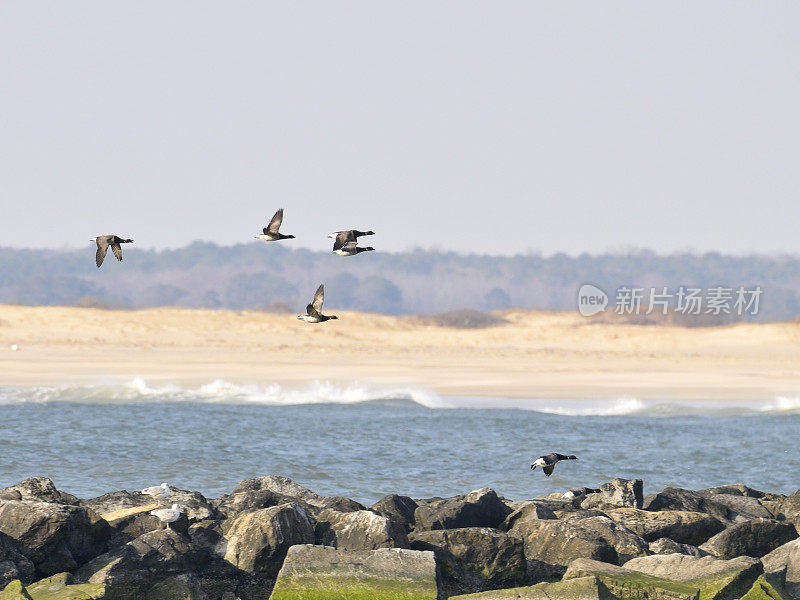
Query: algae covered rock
[(15, 591), (627, 584), (763, 589), (324, 573), (579, 588), (473, 559), (479, 508), (61, 587), (683, 527), (359, 530), (750, 538)]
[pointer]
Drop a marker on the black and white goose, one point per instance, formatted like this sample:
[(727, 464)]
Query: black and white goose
[(314, 310), (350, 249), (579, 493), (548, 461), (103, 242), (271, 233), (343, 237)]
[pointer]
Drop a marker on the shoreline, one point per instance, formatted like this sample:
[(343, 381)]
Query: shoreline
[(537, 355)]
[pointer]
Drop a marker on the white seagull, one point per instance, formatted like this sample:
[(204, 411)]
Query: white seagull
[(167, 515), (157, 491)]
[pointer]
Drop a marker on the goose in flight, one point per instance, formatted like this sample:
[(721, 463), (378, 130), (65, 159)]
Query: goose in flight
[(103, 242), (548, 461), (313, 310), (271, 233), (350, 235), (350, 249)]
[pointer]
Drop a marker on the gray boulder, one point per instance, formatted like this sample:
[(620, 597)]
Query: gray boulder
[(784, 508), (479, 508), (359, 530), (737, 489), (717, 579), (13, 564), (626, 584), (580, 588), (531, 509), (257, 542), (264, 492), (399, 508), (684, 527), (473, 559), (625, 543), (556, 542), (383, 574), (785, 561), (616, 493), (54, 537), (668, 546), (740, 507), (751, 538), (151, 566), (679, 499), (37, 488)]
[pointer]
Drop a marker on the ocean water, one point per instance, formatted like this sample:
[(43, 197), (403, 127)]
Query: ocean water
[(364, 442)]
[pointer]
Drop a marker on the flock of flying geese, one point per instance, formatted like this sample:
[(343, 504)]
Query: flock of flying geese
[(546, 461), (345, 244)]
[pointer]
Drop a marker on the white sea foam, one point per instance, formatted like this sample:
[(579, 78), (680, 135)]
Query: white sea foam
[(221, 391), (586, 408)]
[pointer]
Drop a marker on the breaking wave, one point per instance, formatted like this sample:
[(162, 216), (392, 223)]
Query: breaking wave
[(220, 391)]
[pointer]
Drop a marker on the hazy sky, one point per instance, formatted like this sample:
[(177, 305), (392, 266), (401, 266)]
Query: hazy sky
[(474, 126)]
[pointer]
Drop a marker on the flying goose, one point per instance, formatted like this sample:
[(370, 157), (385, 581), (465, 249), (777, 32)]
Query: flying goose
[(548, 461), (313, 314), (103, 242), (350, 235), (167, 515), (157, 491), (271, 233), (579, 493), (350, 249)]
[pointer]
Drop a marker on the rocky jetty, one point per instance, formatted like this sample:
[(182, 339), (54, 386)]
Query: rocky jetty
[(273, 538)]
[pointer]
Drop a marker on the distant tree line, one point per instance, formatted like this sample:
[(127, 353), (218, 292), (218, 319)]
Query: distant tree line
[(257, 276)]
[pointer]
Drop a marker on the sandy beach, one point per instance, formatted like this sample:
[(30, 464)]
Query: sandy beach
[(536, 355)]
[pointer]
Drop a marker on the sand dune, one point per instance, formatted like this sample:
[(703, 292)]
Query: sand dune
[(537, 355)]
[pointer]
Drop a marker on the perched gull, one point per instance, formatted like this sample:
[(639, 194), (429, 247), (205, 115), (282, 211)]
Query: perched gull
[(343, 237), (157, 491), (167, 515), (271, 233), (313, 314), (548, 461), (103, 242), (579, 493)]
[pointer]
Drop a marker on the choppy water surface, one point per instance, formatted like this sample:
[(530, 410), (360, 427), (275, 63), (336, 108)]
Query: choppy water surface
[(364, 443)]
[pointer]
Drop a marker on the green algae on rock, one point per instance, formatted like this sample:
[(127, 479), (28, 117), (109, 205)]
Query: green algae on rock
[(324, 573), (579, 588)]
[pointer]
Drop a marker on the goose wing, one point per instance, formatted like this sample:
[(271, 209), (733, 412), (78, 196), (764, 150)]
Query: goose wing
[(319, 298), (275, 223), (102, 248), (117, 250), (548, 470), (342, 238)]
